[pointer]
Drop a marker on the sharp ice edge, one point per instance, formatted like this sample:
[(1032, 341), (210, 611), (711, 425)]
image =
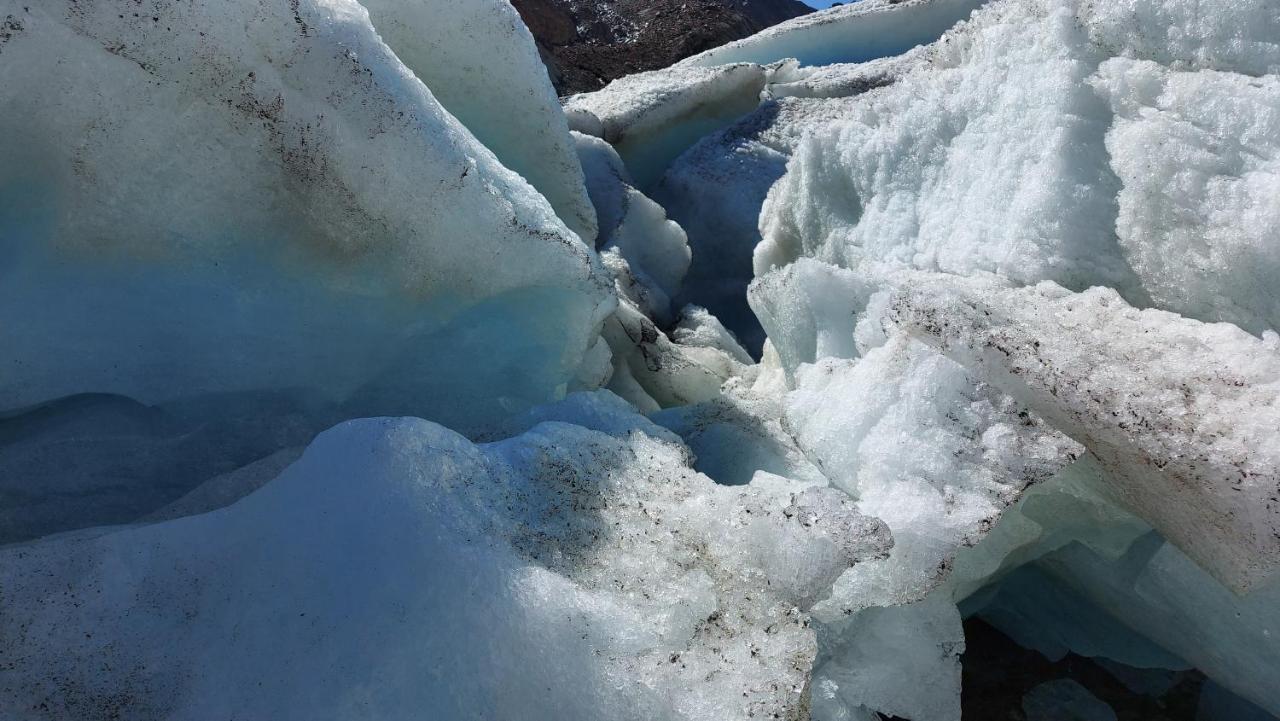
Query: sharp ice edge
[(1006, 268)]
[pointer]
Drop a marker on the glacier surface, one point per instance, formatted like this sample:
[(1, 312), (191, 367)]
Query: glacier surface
[(351, 374)]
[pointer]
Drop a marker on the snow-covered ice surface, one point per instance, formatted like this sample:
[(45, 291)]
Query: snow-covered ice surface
[(1198, 154), (746, 382), (1182, 413), (398, 569)]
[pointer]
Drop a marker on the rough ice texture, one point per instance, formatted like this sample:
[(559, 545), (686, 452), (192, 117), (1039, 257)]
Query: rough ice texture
[(481, 63), (937, 455), (665, 373), (810, 311), (989, 157), (852, 33), (397, 567), (648, 256), (698, 327), (653, 117), (921, 444), (715, 191), (1198, 154), (332, 229), (841, 80), (1242, 36), (1183, 414)]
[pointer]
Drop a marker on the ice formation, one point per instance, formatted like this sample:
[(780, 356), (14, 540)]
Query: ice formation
[(412, 570), (226, 210), (739, 389), (652, 117), (482, 65)]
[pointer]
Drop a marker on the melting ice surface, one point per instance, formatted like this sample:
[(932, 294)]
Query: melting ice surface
[(349, 374)]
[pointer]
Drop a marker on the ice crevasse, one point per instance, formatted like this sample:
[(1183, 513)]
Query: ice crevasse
[(349, 373)]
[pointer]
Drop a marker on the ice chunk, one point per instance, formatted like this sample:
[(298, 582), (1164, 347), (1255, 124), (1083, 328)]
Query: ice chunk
[(396, 567), (655, 249), (225, 197), (1127, 581), (1064, 700), (698, 328), (1041, 613), (1181, 413), (1198, 154), (855, 32), (810, 310), (668, 374), (1161, 594), (653, 117), (648, 254), (927, 448), (842, 80), (608, 182), (1069, 508), (715, 191), (939, 456), (481, 63), (902, 661)]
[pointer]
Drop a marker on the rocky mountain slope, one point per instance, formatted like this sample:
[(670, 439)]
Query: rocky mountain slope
[(587, 43)]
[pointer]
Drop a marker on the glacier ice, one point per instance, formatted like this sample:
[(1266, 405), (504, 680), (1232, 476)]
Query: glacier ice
[(989, 157), (1241, 37), (638, 243), (769, 374), (715, 191), (1181, 412), (1065, 700), (856, 32), (231, 227), (652, 117), (1198, 155), (925, 447), (398, 567), (215, 206), (481, 64), (90, 460)]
